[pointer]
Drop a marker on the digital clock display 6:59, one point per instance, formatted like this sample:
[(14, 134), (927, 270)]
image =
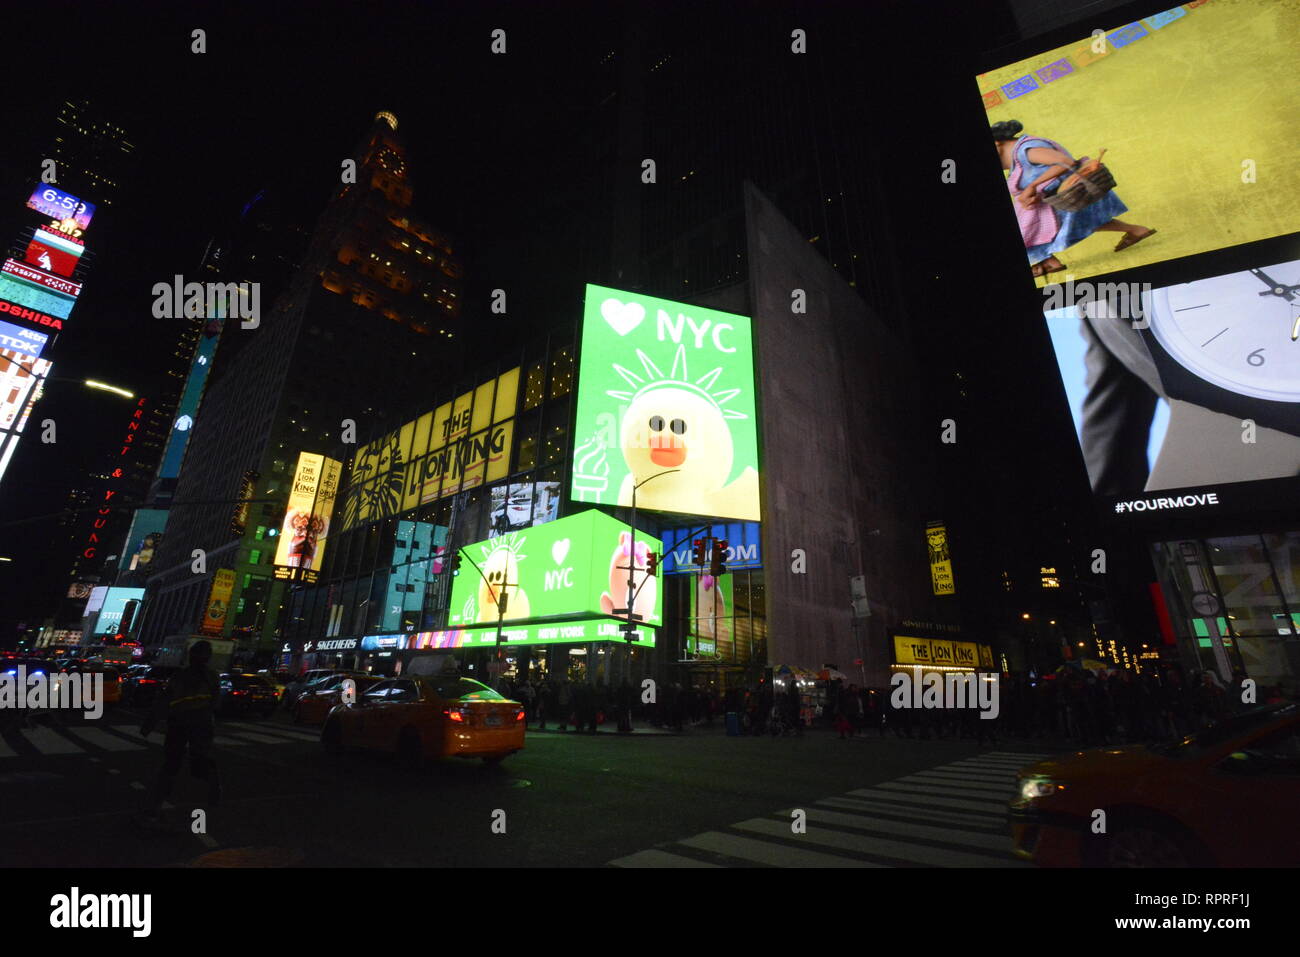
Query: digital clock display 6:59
[(60, 205)]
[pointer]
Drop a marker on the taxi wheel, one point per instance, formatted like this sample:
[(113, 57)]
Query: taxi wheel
[(493, 760), (409, 754), (331, 737)]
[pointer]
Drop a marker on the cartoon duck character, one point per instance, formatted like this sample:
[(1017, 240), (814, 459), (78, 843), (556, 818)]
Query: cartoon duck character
[(501, 568), (672, 423), (646, 585), (713, 621)]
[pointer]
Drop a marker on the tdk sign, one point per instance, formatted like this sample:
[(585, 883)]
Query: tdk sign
[(742, 538)]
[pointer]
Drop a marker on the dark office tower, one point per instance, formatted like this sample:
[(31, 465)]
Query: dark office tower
[(367, 324), (91, 152)]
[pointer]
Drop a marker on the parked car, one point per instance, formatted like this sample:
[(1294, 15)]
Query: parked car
[(308, 678), (1223, 797), (243, 693), (428, 717)]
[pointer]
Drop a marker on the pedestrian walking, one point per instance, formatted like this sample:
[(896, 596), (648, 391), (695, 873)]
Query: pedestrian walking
[(188, 706)]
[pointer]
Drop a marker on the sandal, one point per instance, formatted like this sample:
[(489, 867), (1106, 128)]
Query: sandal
[(1130, 240), (1041, 269)]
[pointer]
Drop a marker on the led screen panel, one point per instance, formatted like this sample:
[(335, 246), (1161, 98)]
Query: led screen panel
[(59, 205), (300, 551), (53, 252), (1192, 387), (665, 398), (566, 568), (1145, 93)]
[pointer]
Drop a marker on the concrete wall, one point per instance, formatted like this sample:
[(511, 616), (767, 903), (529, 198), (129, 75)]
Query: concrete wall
[(847, 457)]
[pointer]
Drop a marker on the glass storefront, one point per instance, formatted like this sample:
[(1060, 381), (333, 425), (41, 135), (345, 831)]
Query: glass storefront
[(1234, 604)]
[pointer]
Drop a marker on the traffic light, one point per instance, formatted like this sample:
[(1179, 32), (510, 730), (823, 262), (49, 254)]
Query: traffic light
[(701, 551), (652, 563), (718, 566)]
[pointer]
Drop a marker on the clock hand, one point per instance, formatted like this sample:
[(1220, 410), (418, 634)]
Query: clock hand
[(1275, 288)]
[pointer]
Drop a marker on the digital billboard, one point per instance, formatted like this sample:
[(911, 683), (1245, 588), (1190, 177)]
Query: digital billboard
[(36, 290), (713, 615), (459, 445), (143, 539), (214, 616), (54, 252), (1192, 386), (21, 380), (59, 205), (187, 409), (566, 568), (936, 540), (300, 552), (114, 606), (575, 631), (27, 342), (417, 558), (665, 398), (523, 504), (1144, 93)]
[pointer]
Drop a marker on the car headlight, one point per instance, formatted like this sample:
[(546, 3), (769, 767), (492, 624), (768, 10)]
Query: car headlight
[(1037, 787)]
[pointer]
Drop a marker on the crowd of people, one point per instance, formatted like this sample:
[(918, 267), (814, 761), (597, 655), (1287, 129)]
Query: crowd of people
[(1083, 707)]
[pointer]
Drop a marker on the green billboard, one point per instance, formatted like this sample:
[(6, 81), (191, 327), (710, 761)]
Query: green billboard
[(569, 568), (665, 389)]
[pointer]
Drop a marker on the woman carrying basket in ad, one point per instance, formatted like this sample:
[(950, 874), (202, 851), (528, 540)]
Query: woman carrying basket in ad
[(1036, 165)]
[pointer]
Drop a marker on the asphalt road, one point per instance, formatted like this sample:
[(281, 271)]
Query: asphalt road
[(70, 794)]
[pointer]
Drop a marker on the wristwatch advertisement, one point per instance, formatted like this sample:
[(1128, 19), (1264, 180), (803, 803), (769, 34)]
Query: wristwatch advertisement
[(1231, 343)]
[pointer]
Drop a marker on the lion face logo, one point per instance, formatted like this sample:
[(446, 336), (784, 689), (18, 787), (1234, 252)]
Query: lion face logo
[(378, 479), (937, 539)]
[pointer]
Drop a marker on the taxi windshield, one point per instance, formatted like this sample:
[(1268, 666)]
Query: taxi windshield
[(463, 689)]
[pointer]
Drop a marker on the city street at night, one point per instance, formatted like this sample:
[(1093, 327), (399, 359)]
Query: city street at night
[(636, 440)]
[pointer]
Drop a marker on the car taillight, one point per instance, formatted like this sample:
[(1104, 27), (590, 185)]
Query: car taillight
[(148, 681), (454, 715), (519, 715), (236, 692)]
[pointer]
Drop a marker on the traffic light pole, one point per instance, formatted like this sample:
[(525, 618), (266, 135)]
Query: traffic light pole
[(500, 599)]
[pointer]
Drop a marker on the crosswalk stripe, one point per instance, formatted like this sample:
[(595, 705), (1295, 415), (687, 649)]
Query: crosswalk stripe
[(289, 734), (1031, 755), (924, 787), (997, 764), (258, 738), (971, 787), (879, 846), (975, 780), (226, 742), (928, 815), (102, 739), (765, 852), (657, 858), (989, 807), (960, 774), (983, 769), (981, 839), (48, 741)]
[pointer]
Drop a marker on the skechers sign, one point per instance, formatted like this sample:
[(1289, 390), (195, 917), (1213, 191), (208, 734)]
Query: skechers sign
[(666, 387)]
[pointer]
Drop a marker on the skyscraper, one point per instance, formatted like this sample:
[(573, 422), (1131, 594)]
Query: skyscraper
[(371, 317)]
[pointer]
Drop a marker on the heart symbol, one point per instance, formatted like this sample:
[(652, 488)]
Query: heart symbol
[(622, 317), (559, 550)]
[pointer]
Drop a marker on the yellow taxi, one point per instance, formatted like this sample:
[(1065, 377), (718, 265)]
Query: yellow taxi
[(421, 717), (1225, 796)]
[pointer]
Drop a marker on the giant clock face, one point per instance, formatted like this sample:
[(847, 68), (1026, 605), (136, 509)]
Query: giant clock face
[(392, 162), (1224, 331)]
